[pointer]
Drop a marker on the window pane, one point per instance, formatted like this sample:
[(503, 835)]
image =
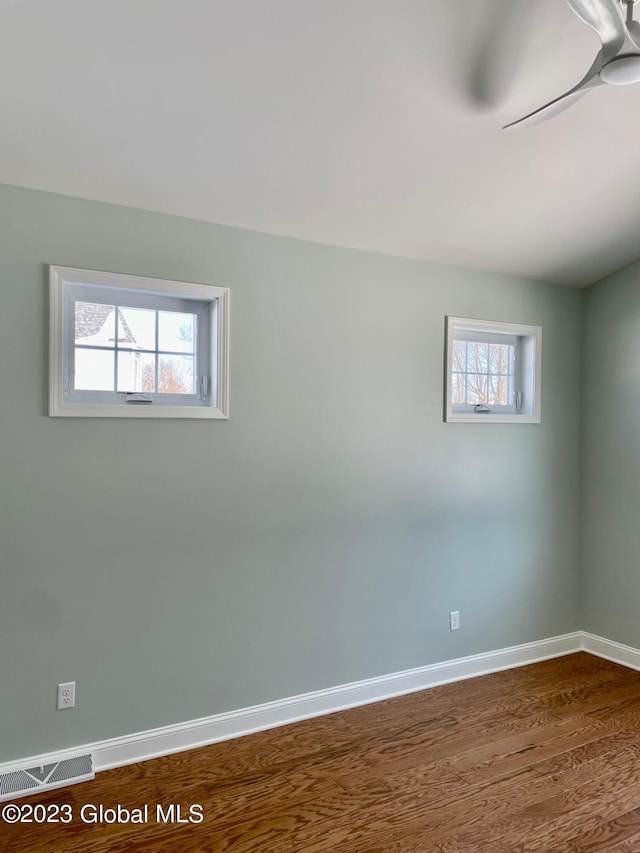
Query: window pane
[(499, 391), (175, 374), (176, 331), (476, 389), (137, 328), (136, 371), (457, 387), (93, 370), (500, 358), (459, 354), (94, 324), (477, 357)]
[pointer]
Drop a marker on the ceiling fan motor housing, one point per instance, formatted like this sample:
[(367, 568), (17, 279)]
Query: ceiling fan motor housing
[(622, 70)]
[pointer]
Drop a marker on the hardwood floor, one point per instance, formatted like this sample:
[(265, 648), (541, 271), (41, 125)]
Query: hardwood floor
[(541, 758)]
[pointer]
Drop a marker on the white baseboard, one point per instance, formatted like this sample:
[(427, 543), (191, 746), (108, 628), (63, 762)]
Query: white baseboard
[(610, 650), (141, 746)]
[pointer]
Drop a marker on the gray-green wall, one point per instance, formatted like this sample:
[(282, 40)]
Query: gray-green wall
[(611, 458), (177, 569)]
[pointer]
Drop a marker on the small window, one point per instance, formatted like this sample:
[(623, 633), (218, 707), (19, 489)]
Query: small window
[(492, 372), (127, 346)]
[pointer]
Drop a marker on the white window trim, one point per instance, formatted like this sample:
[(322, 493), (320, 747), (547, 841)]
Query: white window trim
[(217, 296), (529, 337)]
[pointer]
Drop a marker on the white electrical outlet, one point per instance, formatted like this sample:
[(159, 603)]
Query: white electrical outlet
[(66, 695), (454, 620)]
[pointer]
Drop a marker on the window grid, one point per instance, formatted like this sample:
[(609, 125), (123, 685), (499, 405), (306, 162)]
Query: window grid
[(116, 349), (490, 395)]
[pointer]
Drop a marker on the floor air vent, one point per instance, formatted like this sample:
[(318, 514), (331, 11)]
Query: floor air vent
[(45, 777)]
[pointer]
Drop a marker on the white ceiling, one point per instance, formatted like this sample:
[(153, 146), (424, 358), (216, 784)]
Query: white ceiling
[(352, 122)]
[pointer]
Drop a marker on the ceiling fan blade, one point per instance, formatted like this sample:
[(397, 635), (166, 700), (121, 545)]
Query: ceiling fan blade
[(548, 110), (605, 17), (589, 81)]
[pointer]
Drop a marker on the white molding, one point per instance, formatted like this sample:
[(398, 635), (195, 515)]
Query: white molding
[(610, 650), (154, 743)]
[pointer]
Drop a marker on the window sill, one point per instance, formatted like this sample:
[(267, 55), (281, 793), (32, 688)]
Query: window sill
[(468, 418), (87, 410)]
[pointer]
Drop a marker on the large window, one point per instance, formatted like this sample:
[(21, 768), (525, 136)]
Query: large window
[(493, 371), (126, 346)]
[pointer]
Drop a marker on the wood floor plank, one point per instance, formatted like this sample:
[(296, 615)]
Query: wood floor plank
[(549, 823), (567, 687), (393, 822), (612, 832), (631, 845)]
